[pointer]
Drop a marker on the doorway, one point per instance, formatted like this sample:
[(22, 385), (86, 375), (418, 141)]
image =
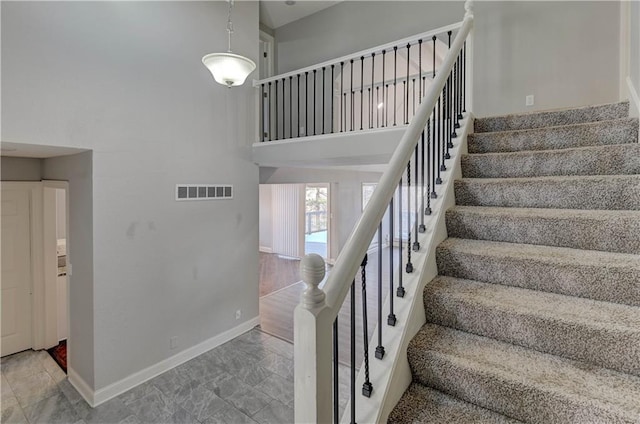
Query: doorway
[(34, 277), (316, 220)]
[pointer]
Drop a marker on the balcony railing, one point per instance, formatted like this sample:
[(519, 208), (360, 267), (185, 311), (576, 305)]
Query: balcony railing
[(380, 87)]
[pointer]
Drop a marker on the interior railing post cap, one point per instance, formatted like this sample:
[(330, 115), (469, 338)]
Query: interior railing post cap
[(312, 271)]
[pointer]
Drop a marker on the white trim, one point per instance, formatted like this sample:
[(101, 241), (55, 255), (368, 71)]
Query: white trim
[(81, 386), (625, 46), (112, 390), (265, 249), (634, 99)]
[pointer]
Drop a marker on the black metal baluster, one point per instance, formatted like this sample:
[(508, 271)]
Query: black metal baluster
[(324, 96), (331, 97), (336, 378), (407, 100), (427, 209), (464, 77), (391, 319), (373, 67), (306, 103), (413, 98), (416, 244), (341, 91), (432, 162), (291, 106), (441, 144), (377, 109), (384, 103), (380, 348), (344, 110), (269, 117), (409, 268), (395, 91), (314, 101), (276, 109), (284, 135), (400, 289), (386, 108), (298, 95), (263, 94), (361, 91), (404, 92), (353, 351), (367, 387), (352, 96), (370, 114), (446, 122), (420, 83), (456, 77)]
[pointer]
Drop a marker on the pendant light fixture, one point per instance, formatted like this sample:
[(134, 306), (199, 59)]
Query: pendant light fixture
[(228, 68)]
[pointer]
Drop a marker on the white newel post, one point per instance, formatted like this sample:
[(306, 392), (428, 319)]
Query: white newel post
[(313, 347), (468, 14)]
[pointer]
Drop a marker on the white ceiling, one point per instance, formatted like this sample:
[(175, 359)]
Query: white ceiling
[(276, 13)]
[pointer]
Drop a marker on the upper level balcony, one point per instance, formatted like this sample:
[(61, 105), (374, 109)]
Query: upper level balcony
[(349, 111)]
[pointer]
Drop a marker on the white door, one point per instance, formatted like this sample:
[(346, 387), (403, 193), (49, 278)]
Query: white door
[(16, 270)]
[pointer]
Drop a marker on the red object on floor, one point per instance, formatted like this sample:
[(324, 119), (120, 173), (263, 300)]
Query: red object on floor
[(59, 354)]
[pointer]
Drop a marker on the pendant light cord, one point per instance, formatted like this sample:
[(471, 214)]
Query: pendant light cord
[(230, 24)]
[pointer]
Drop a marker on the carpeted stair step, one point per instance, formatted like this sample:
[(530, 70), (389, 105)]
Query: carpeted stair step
[(521, 383), (616, 131), (552, 118), (601, 333), (609, 231), (605, 276), (613, 192), (421, 404), (619, 159)]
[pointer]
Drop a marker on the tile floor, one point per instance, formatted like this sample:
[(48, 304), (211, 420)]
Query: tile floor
[(247, 380)]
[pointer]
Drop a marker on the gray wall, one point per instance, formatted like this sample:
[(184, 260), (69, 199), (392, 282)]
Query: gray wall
[(125, 79), (266, 224), (562, 52), (78, 171), (21, 169)]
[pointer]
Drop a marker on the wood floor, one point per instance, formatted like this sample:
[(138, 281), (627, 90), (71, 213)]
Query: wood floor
[(277, 272), (276, 308)]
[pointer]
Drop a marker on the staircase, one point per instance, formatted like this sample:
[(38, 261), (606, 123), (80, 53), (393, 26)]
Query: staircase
[(535, 313)]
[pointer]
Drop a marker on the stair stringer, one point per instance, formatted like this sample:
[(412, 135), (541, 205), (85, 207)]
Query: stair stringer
[(392, 375)]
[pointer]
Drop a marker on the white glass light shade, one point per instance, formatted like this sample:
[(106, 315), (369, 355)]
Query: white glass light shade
[(229, 69)]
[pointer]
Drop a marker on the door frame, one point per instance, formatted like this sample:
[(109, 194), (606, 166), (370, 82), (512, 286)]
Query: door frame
[(49, 288), (43, 285)]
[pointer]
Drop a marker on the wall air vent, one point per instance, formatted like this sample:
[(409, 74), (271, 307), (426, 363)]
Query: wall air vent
[(203, 192)]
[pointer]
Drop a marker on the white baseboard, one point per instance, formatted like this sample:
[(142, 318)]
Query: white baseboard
[(109, 392), (265, 249), (81, 386), (634, 99)]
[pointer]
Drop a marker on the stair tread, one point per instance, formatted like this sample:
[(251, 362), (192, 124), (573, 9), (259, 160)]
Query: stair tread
[(519, 301), (557, 117), (421, 404), (633, 178), (559, 152), (516, 366), (598, 133), (550, 127), (550, 254), (593, 214)]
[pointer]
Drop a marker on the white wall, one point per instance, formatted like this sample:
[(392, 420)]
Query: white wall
[(125, 79), (61, 214), (565, 53), (20, 169)]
